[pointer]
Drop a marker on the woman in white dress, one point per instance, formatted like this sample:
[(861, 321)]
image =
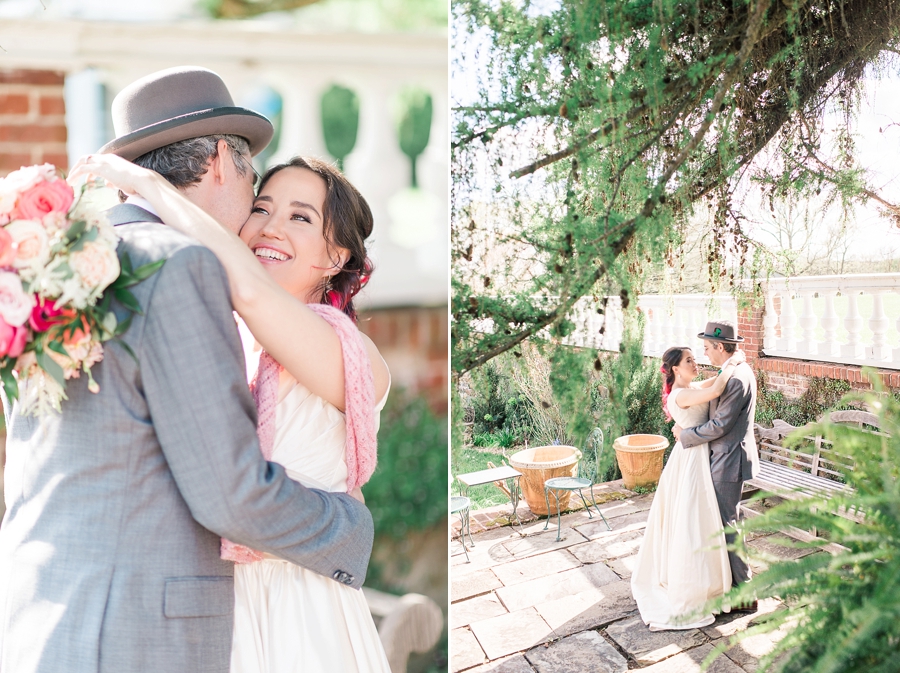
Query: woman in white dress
[(683, 561), (303, 243)]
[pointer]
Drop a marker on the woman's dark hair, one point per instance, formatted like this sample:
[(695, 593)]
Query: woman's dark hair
[(670, 359), (347, 222)]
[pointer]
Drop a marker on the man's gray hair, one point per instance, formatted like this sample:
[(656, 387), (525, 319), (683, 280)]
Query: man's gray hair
[(184, 163)]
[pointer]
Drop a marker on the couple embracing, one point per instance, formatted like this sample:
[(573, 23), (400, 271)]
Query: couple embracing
[(683, 561), (175, 520)]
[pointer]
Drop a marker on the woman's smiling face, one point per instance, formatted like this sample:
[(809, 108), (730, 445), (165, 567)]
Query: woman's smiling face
[(285, 231)]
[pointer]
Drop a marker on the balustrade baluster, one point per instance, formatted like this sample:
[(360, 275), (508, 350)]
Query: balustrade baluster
[(808, 322), (770, 322), (580, 321), (788, 320), (853, 324), (878, 323), (829, 322)]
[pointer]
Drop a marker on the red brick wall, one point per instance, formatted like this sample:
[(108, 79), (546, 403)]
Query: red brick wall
[(791, 377), (413, 342), (32, 119)]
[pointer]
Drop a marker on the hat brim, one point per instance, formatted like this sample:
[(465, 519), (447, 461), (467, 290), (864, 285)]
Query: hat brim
[(710, 337), (237, 121)]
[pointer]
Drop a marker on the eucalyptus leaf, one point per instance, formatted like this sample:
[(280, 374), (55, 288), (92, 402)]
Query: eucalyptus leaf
[(50, 366)]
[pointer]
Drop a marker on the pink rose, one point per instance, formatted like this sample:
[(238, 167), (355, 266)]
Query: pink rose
[(7, 249), (12, 339), (44, 315), (15, 305), (17, 345), (45, 197)]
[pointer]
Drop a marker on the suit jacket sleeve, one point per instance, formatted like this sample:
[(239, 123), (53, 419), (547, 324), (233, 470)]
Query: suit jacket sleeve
[(732, 401), (192, 369)]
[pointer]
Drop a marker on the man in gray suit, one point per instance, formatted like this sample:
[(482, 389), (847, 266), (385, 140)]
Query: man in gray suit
[(733, 456), (109, 550)]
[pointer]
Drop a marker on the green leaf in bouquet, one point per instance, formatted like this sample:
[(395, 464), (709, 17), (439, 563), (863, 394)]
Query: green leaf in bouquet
[(76, 230), (128, 300), (110, 325), (145, 271), (89, 235), (129, 350), (123, 326), (50, 366), (10, 385), (65, 270), (125, 263), (58, 347)]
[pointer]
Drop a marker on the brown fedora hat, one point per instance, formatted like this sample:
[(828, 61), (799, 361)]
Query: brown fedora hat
[(721, 330), (176, 104)]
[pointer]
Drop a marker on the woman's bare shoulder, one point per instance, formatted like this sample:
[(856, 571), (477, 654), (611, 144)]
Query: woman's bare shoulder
[(380, 371)]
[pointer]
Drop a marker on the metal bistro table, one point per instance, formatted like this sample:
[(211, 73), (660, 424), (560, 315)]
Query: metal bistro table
[(504, 473)]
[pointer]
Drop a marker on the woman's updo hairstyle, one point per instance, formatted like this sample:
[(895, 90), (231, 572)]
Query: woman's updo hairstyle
[(347, 223), (670, 359)]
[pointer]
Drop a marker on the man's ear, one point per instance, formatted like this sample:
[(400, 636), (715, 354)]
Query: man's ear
[(216, 166)]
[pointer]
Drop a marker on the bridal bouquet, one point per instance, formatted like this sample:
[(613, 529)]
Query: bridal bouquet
[(59, 274)]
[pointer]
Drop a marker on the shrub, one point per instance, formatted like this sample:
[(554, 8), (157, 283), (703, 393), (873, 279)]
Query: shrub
[(844, 613), (821, 395), (409, 488)]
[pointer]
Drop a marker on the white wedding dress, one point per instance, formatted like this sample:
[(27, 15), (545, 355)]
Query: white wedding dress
[(683, 561), (288, 619)]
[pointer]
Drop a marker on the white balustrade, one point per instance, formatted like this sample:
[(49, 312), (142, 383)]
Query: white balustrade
[(851, 319), (669, 320)]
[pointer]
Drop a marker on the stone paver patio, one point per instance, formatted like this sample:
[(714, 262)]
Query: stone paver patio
[(534, 605)]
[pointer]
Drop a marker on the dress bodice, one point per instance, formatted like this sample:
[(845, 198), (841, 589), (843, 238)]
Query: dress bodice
[(310, 433), (690, 417)]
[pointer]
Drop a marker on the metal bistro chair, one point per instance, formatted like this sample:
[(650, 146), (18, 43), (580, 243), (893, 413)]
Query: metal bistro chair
[(557, 484), (460, 505)]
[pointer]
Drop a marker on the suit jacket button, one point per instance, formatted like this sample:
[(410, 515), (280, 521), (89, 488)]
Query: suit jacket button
[(348, 579), (338, 575)]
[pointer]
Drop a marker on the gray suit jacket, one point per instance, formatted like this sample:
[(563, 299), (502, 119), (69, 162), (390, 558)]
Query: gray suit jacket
[(109, 549), (733, 455)]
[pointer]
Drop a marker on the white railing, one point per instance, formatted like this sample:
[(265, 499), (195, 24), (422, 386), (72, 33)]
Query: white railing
[(852, 319), (669, 320)]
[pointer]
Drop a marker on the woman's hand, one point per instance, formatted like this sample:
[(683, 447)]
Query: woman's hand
[(117, 172), (738, 357)]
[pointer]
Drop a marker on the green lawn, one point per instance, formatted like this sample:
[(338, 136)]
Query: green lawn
[(472, 461)]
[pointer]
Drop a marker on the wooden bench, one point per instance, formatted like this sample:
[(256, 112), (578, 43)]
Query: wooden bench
[(406, 624), (796, 474)]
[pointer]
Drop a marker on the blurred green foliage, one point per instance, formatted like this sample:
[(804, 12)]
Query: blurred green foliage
[(409, 488)]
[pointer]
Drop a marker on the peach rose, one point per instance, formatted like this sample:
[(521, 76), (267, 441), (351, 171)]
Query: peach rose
[(15, 305), (96, 264), (32, 246), (7, 249), (54, 196)]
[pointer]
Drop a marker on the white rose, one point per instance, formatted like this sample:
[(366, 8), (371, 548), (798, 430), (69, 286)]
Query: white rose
[(15, 305), (97, 265), (8, 199), (32, 244)]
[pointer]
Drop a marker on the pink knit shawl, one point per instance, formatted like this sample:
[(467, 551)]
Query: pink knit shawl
[(359, 413)]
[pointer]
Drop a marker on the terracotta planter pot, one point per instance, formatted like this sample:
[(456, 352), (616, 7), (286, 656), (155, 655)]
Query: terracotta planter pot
[(539, 464), (640, 459)]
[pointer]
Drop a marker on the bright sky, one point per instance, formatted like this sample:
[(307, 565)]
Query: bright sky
[(877, 137)]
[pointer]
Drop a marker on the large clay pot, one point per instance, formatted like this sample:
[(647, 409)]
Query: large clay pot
[(539, 464), (640, 459)]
